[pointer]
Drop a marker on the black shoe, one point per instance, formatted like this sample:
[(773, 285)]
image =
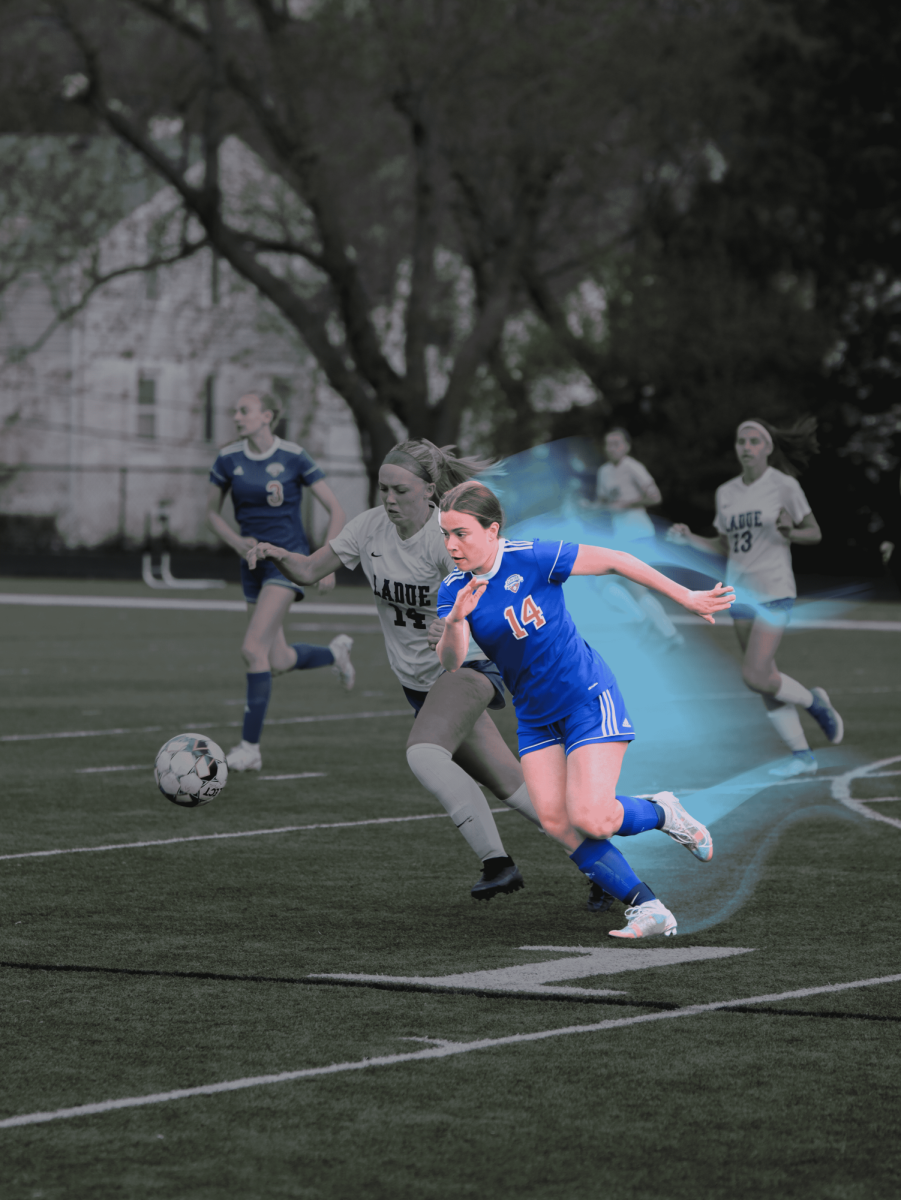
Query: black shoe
[(599, 900), (498, 875)]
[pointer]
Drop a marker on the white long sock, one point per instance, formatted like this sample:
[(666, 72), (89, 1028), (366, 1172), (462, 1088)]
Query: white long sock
[(787, 724), (459, 795), (522, 803), (792, 692), (656, 614)]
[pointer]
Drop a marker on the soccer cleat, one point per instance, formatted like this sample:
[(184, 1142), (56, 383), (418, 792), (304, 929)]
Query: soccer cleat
[(343, 668), (244, 757), (802, 762), (599, 899), (823, 712), (647, 920), (499, 875), (683, 828)]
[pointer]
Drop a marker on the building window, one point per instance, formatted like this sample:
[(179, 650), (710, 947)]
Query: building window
[(209, 408), (146, 407)]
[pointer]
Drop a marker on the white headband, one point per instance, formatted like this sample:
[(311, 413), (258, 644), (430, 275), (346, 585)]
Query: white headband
[(768, 441)]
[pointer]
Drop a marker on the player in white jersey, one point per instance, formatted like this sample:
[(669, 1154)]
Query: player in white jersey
[(760, 514), (266, 477), (626, 490), (454, 745)]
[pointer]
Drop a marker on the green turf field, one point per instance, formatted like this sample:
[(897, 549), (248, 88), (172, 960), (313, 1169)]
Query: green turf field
[(133, 972)]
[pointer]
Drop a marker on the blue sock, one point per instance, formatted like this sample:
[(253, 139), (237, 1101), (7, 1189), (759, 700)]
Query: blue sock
[(312, 656), (259, 689), (603, 864), (639, 816)]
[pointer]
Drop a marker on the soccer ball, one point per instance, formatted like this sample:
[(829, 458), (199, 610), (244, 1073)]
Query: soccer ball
[(190, 770)]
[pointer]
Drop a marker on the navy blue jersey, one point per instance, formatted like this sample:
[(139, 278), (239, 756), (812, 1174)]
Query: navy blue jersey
[(266, 490), (522, 623)]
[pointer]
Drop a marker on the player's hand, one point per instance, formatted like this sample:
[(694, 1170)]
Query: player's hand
[(678, 534), (467, 599), (327, 582), (785, 524), (435, 631), (257, 552), (705, 604)]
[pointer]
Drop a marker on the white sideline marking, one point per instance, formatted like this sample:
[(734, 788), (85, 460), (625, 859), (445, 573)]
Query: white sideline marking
[(444, 1049), (103, 770), (83, 733), (813, 623), (214, 837), (841, 790), (47, 601), (302, 775), (533, 979)]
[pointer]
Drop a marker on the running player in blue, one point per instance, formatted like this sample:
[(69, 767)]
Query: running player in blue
[(573, 727), (266, 477)]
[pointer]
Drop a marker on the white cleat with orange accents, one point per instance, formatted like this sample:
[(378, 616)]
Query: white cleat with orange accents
[(647, 920), (683, 828)]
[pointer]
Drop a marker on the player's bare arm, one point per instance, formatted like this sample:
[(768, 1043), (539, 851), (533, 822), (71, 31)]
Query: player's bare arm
[(454, 641), (597, 560), (304, 569), (215, 500), (806, 533), (337, 520)]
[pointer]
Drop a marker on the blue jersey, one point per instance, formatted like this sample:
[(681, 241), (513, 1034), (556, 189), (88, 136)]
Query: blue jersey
[(266, 490), (522, 623)]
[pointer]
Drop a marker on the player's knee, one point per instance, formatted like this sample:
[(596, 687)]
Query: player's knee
[(756, 679), (255, 656), (597, 820)]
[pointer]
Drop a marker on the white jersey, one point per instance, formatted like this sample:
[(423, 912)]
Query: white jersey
[(405, 576), (626, 482), (760, 560)]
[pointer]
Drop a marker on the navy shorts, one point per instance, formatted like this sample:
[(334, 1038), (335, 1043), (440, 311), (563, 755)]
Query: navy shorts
[(485, 667), (602, 720), (774, 612), (262, 574)]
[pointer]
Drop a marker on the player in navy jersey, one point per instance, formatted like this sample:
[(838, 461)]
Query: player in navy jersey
[(760, 514), (573, 727), (266, 477)]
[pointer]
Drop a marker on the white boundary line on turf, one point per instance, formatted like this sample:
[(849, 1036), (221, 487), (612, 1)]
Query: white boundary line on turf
[(841, 790), (216, 837), (800, 623), (85, 733), (43, 600), (442, 1048)]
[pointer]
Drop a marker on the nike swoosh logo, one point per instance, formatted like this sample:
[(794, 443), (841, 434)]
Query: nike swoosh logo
[(374, 555)]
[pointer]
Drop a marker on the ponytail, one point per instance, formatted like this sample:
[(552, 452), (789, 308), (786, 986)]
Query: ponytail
[(436, 464)]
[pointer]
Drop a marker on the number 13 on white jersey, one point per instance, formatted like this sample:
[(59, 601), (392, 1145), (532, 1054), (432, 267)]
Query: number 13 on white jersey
[(529, 614)]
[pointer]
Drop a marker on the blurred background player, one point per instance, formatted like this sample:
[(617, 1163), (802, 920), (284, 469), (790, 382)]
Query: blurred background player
[(626, 490), (454, 745), (759, 515), (572, 724), (266, 477)]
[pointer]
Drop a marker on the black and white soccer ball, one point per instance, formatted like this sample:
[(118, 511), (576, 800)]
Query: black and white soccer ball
[(190, 770)]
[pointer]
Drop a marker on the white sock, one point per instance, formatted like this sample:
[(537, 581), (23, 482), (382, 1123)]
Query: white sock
[(656, 614), (250, 745), (521, 802), (792, 692), (459, 795), (787, 724)]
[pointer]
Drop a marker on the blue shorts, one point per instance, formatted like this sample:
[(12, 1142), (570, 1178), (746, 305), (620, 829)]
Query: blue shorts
[(602, 720), (485, 667), (262, 574), (774, 612)]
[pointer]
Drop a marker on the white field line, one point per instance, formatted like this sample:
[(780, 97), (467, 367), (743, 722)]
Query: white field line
[(216, 837), (842, 787), (30, 599), (800, 623), (442, 1048), (302, 775), (85, 733), (104, 770)]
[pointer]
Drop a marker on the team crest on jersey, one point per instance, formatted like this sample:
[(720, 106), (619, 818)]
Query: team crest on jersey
[(275, 468), (512, 583)]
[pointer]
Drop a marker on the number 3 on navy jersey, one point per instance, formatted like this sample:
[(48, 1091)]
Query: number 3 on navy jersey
[(529, 614), (275, 494), (741, 542)]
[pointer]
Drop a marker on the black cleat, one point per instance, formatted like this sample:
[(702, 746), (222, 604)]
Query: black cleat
[(498, 875), (599, 900)]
